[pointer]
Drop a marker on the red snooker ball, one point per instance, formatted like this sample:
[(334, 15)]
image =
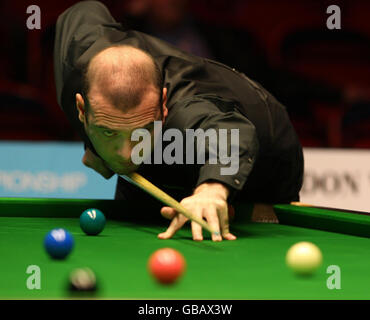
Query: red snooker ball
[(166, 265)]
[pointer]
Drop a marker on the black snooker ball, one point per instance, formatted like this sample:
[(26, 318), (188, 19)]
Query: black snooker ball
[(82, 280)]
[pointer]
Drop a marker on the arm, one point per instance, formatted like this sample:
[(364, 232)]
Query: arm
[(213, 188), (200, 113)]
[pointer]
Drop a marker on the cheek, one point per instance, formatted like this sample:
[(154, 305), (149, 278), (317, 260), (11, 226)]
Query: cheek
[(99, 144), (94, 139)]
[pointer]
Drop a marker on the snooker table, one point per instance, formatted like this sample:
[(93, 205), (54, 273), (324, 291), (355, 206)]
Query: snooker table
[(252, 267)]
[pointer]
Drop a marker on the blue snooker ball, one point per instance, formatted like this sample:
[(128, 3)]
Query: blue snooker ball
[(92, 221), (58, 243)]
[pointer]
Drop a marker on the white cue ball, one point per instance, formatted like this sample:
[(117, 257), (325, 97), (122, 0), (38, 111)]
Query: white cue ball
[(304, 258)]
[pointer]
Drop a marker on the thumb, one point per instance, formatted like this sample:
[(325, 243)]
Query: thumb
[(168, 212)]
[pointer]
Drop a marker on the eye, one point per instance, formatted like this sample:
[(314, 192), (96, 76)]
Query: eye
[(108, 133)]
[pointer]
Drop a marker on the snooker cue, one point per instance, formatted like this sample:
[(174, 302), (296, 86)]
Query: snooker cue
[(141, 182), (300, 204)]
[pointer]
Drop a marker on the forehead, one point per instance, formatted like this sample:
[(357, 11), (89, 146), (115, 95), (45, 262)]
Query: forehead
[(104, 115)]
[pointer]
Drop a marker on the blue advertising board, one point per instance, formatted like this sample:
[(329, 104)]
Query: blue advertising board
[(50, 170)]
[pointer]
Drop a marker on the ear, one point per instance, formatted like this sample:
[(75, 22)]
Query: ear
[(164, 104), (80, 104)]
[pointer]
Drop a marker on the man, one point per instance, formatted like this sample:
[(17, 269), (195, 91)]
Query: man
[(111, 82)]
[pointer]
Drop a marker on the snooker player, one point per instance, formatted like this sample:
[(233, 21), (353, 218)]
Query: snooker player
[(111, 81)]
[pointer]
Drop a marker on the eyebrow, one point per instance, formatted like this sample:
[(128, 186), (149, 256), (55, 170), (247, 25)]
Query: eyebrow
[(102, 127), (110, 129)]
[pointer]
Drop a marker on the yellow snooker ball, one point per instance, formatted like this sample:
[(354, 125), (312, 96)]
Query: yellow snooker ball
[(304, 258)]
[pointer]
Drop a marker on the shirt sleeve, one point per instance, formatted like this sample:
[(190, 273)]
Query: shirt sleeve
[(231, 160)]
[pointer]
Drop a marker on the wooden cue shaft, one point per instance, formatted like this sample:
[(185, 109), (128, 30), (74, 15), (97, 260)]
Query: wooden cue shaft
[(147, 186), (300, 204)]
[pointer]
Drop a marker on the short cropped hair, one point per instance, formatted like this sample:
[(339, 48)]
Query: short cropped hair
[(127, 96)]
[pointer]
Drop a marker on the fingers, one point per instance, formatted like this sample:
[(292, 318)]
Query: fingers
[(229, 236), (213, 221), (168, 212), (195, 227), (217, 217), (224, 223), (177, 222)]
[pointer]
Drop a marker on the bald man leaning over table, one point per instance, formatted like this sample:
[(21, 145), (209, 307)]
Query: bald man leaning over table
[(112, 81)]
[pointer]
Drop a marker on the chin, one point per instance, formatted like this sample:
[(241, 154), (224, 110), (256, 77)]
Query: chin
[(126, 170)]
